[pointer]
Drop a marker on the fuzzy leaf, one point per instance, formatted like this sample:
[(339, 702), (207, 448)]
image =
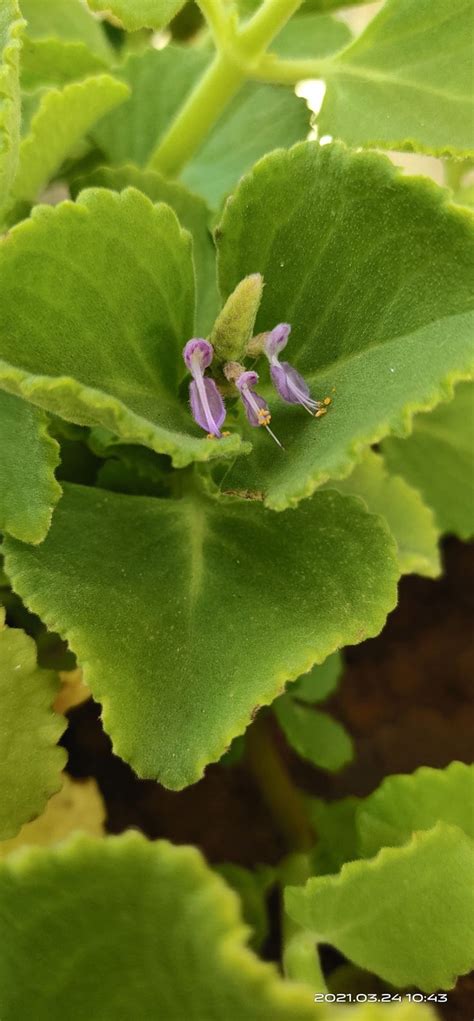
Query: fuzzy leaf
[(172, 942), (28, 457), (403, 804), (262, 117), (176, 685), (314, 735), (382, 324), (405, 915), (62, 118), (11, 31), (77, 806), (311, 35), (335, 825), (123, 311), (411, 521), (30, 760), (320, 682), (135, 14), (406, 82), (192, 213), (54, 62), (68, 22), (438, 458)]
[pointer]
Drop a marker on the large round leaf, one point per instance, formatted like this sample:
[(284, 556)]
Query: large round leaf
[(188, 614)]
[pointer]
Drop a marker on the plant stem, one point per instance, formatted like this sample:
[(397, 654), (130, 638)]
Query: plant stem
[(284, 801), (266, 23), (217, 19), (288, 72), (201, 110), (238, 52)]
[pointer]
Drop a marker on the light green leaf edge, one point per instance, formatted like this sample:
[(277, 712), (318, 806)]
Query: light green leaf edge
[(57, 62), (410, 520), (441, 840), (83, 857), (112, 413), (400, 424), (30, 759), (314, 735), (136, 14), (63, 117), (405, 803), (10, 101), (21, 516), (325, 677)]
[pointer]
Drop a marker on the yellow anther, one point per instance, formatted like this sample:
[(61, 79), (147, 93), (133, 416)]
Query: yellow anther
[(264, 416), (321, 412), (326, 401), (226, 432)]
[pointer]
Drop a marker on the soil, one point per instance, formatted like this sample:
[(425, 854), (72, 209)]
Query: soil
[(406, 699)]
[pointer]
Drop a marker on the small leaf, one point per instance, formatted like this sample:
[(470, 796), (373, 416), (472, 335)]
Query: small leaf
[(54, 62), (411, 521), (123, 312), (252, 888), (403, 804), (314, 735), (135, 14), (438, 458), (68, 22), (192, 213), (11, 31), (405, 83), (77, 806), (406, 915), (172, 942), (320, 682), (334, 822), (176, 683), (28, 489), (382, 325), (30, 760), (62, 118)]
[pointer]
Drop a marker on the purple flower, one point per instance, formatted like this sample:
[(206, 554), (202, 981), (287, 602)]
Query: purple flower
[(256, 407), (206, 402), (290, 384)]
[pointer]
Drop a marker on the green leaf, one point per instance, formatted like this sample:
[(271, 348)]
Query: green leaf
[(159, 81), (403, 804), (381, 324), (411, 522), (311, 35), (62, 119), (314, 735), (123, 312), (135, 14), (334, 822), (438, 458), (54, 62), (192, 213), (406, 82), (68, 21), (172, 942), (251, 888), (406, 915), (320, 682), (28, 457), (262, 117), (30, 760), (175, 681), (11, 31)]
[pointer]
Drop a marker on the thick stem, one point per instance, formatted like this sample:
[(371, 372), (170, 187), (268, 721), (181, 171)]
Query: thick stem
[(231, 66), (266, 23), (200, 112), (284, 801), (288, 72)]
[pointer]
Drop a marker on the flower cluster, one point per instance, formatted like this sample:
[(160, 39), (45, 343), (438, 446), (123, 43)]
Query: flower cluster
[(207, 404)]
